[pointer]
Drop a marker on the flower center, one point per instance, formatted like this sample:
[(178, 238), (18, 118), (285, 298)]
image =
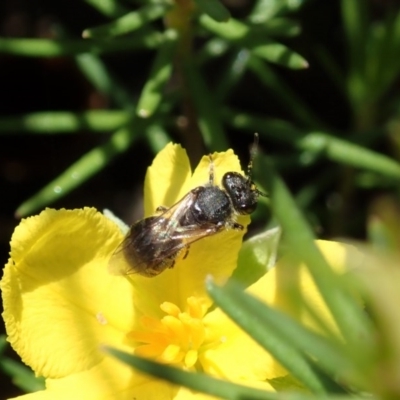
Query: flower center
[(177, 338)]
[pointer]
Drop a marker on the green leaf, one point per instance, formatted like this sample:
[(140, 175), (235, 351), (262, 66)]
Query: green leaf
[(215, 47), (257, 255), (127, 23), (91, 163), (274, 129), (356, 22), (331, 66), (299, 238), (204, 383), (390, 64), (228, 81), (3, 344), (158, 137), (284, 352), (153, 91), (279, 54), (328, 354), (350, 154), (287, 97), (383, 228), (53, 122), (21, 376), (355, 18), (95, 70), (208, 112), (214, 8), (264, 10), (109, 8), (383, 64), (287, 382), (380, 235), (55, 48), (278, 27), (256, 40), (318, 143), (231, 30)]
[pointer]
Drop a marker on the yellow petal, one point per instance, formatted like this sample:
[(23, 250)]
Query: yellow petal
[(60, 302), (166, 178), (110, 379), (191, 358), (283, 284), (235, 355), (216, 255), (187, 394)]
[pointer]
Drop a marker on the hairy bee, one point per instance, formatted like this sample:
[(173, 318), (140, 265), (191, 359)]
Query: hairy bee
[(154, 243)]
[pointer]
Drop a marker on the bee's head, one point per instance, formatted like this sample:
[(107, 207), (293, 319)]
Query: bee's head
[(242, 192), (241, 189)]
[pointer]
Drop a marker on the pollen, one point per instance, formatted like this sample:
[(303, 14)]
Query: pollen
[(177, 338), (101, 319)]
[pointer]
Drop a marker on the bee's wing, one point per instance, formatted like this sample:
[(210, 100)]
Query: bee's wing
[(188, 234), (169, 250), (173, 215), (155, 240), (192, 233)]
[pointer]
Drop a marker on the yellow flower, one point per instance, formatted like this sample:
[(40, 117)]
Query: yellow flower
[(61, 304)]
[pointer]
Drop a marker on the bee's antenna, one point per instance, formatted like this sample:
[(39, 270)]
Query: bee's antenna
[(253, 153), (211, 171)]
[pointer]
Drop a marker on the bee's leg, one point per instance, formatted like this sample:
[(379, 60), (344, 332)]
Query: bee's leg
[(235, 226), (186, 252), (186, 249), (161, 209), (211, 171), (238, 227), (228, 225)]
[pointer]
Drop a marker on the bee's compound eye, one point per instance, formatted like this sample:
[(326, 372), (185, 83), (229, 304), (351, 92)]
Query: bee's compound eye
[(241, 192)]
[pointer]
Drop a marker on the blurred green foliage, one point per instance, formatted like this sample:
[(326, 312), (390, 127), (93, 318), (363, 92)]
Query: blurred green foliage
[(190, 39), (187, 39), (203, 56)]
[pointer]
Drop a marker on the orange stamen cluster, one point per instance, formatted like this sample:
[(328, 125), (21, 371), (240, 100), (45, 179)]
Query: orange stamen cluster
[(176, 338)]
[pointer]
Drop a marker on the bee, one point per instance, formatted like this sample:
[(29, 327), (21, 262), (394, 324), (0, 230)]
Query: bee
[(153, 244)]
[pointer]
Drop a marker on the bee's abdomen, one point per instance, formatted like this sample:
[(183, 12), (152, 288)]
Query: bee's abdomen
[(149, 252)]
